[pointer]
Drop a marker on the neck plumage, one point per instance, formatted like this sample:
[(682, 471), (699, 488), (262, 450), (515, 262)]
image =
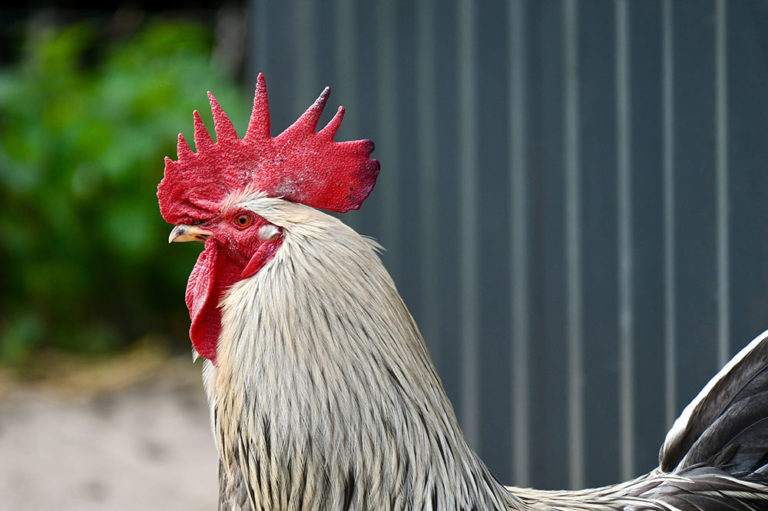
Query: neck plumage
[(324, 396)]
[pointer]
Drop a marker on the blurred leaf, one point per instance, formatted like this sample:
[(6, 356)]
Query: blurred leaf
[(84, 126), (20, 338)]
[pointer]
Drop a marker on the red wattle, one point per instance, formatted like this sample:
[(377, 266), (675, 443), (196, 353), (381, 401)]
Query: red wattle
[(212, 275)]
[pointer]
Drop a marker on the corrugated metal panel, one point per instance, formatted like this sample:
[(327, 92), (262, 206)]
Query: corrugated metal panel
[(571, 198)]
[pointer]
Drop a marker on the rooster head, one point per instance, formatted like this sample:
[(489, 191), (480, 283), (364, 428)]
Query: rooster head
[(203, 194)]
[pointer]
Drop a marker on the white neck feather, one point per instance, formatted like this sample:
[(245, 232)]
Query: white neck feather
[(324, 393)]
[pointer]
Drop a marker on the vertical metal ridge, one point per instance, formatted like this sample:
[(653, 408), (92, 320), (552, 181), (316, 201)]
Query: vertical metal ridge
[(345, 51), (574, 294), (390, 224), (468, 222), (426, 87), (624, 193), (668, 150), (721, 164), (345, 57), (518, 161), (305, 68), (258, 18)]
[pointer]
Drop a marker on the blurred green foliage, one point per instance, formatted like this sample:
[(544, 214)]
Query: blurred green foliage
[(84, 125)]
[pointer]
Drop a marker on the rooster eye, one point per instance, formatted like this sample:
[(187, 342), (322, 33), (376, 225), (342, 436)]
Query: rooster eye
[(243, 221)]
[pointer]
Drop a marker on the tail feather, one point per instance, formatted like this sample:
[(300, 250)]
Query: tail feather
[(726, 425), (715, 457)]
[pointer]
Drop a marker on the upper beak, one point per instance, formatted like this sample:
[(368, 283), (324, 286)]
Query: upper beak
[(188, 233)]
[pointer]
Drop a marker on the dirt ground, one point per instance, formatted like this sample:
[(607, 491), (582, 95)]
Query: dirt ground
[(128, 434)]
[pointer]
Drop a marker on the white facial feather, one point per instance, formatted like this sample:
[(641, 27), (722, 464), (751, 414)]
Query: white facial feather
[(268, 232)]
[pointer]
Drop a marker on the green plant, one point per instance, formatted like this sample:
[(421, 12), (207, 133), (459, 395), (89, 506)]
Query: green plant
[(84, 126)]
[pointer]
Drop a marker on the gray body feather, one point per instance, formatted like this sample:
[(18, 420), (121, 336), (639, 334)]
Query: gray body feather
[(325, 398)]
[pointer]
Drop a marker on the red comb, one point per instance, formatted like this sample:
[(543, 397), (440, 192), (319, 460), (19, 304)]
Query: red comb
[(301, 164)]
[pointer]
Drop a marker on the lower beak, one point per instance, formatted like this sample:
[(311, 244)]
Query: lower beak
[(188, 233)]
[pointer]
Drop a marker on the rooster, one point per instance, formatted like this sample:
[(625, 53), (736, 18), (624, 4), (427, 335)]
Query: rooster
[(322, 392)]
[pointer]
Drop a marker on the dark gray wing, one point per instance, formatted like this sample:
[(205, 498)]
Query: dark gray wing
[(695, 489)]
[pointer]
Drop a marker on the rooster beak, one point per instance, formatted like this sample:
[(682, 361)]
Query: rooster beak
[(188, 233)]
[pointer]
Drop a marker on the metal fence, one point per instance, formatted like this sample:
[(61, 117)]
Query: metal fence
[(572, 199)]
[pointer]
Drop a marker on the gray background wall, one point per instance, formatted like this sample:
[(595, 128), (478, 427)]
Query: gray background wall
[(571, 198)]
